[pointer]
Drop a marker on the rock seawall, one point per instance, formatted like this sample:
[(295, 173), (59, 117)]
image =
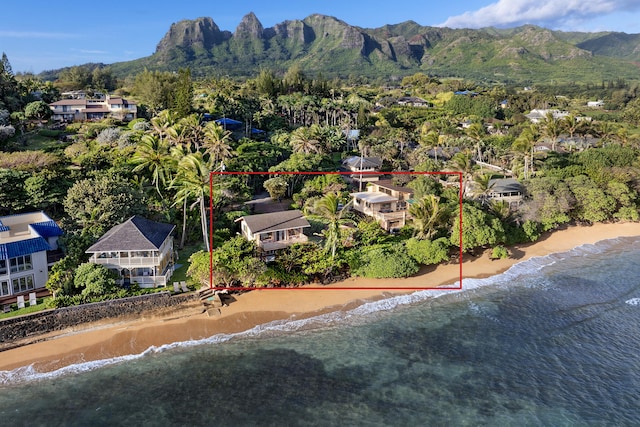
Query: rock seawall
[(31, 325)]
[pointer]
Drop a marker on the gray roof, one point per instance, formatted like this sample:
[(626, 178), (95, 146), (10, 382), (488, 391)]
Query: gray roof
[(135, 234), (388, 183), (364, 162), (275, 221), (505, 185)]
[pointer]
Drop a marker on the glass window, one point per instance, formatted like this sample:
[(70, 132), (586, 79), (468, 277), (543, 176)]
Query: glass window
[(20, 263), (4, 288), (3, 266), (22, 284)]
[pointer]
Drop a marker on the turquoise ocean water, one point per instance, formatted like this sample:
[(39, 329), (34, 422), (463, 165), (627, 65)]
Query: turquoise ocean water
[(554, 341)]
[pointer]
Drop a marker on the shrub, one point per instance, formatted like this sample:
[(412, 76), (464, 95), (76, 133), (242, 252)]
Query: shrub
[(499, 252), (108, 136), (428, 252), (386, 261)]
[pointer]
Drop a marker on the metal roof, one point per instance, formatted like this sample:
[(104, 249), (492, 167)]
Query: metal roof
[(23, 247), (275, 221)]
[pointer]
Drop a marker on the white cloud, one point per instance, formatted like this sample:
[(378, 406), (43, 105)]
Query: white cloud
[(35, 35), (549, 13)]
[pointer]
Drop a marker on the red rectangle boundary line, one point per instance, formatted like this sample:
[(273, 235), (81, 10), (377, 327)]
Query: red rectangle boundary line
[(395, 288)]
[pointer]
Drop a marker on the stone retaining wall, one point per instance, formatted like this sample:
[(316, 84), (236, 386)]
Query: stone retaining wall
[(20, 327)]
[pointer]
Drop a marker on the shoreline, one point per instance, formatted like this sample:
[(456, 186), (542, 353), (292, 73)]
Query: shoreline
[(121, 337)]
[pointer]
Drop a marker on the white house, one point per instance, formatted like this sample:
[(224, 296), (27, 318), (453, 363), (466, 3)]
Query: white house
[(27, 243), (138, 251), (274, 231), (539, 115), (384, 201), (79, 109)]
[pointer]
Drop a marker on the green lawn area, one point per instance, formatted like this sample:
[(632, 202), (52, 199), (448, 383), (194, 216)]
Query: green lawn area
[(27, 310), (180, 274), (39, 140)]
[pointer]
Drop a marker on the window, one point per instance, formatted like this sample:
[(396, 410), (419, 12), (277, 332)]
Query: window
[(4, 288), (21, 263), (22, 284), (3, 266)]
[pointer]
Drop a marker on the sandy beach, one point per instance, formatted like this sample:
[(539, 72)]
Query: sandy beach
[(132, 336)]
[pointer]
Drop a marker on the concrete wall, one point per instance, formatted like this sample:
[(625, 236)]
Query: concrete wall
[(16, 328)]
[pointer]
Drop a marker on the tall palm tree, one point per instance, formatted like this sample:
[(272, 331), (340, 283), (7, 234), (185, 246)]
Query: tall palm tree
[(462, 162), (152, 154), (328, 207), (551, 130), (192, 184), (477, 132), (523, 145), (216, 142), (428, 215)]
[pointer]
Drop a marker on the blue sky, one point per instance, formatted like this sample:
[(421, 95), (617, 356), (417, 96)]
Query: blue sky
[(40, 35)]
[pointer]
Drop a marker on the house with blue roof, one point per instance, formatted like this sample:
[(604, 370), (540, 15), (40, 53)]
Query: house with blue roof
[(26, 243)]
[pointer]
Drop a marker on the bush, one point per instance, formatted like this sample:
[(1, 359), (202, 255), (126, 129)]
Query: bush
[(108, 136), (499, 252), (428, 252), (386, 261)]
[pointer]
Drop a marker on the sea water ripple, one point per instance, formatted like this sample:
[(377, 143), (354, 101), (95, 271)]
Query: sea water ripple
[(366, 312)]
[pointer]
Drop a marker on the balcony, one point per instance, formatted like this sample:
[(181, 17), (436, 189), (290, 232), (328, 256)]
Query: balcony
[(273, 245)]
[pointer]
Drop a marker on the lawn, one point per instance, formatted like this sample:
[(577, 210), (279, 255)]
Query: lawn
[(180, 273)]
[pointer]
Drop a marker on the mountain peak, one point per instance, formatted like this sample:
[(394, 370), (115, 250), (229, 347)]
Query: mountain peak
[(250, 26), (200, 33)]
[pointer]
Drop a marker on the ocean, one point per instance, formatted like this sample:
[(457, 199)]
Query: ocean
[(551, 342)]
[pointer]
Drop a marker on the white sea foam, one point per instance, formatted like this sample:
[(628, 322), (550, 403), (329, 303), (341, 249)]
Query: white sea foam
[(362, 313)]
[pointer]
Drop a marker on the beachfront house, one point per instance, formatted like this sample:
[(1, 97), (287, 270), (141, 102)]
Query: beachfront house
[(81, 109), (138, 251), (28, 247), (506, 189), (274, 231), (386, 202)]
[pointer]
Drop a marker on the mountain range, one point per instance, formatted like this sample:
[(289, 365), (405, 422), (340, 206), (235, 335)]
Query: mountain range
[(327, 45)]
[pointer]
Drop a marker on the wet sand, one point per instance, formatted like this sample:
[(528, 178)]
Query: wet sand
[(118, 337)]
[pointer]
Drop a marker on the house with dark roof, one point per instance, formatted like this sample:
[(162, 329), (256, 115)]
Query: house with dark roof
[(506, 189), (28, 243), (274, 231), (80, 109), (365, 169), (138, 251), (386, 202)]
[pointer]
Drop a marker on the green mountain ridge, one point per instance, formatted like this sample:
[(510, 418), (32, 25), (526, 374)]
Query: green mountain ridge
[(327, 45)]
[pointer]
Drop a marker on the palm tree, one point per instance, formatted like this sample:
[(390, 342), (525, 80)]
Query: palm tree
[(216, 142), (303, 140), (428, 214), (462, 162), (551, 130), (152, 154), (187, 132), (162, 123), (483, 182), (329, 208), (476, 132), (192, 184), (431, 139), (524, 146)]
